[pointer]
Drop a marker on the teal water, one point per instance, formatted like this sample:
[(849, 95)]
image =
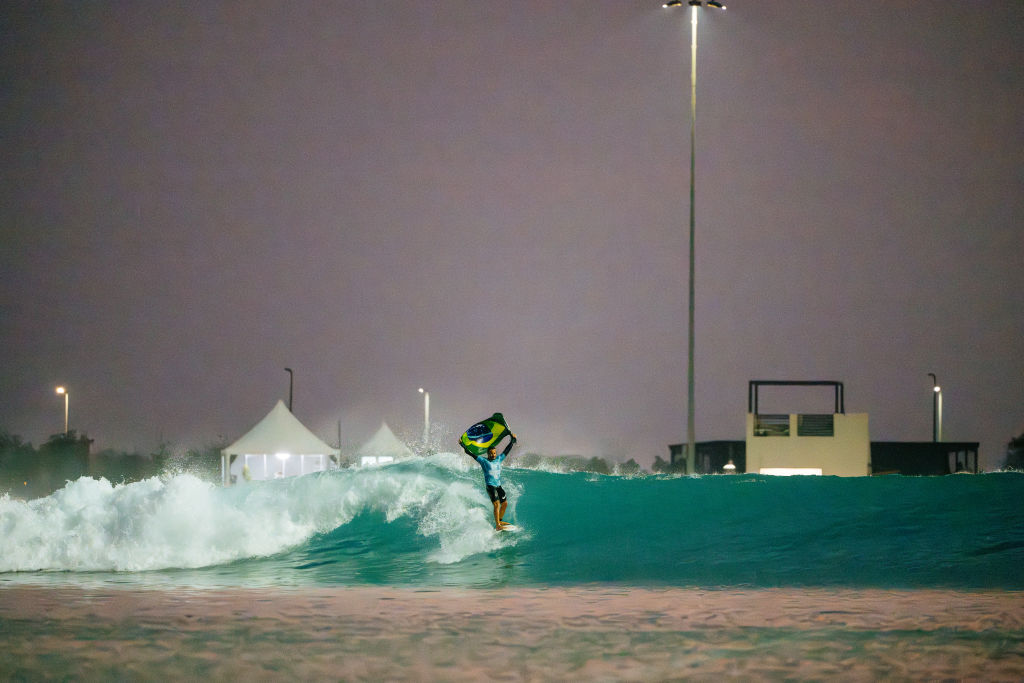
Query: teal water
[(427, 523)]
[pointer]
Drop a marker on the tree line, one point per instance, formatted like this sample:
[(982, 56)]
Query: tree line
[(29, 472)]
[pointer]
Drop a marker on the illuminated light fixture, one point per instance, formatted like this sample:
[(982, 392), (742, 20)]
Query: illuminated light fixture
[(693, 3), (936, 408), (64, 392), (426, 416), (283, 457), (729, 468), (790, 471)]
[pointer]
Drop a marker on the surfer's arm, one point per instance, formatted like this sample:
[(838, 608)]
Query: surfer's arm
[(511, 443)]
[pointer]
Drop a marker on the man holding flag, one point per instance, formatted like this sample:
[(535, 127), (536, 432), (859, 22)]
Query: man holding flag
[(481, 438)]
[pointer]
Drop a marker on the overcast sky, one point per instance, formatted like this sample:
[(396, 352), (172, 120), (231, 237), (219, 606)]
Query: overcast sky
[(490, 200)]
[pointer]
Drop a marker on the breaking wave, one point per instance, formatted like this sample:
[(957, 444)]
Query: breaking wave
[(428, 522)]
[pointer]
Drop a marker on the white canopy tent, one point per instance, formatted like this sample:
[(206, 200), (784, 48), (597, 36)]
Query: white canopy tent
[(278, 446), (382, 448)]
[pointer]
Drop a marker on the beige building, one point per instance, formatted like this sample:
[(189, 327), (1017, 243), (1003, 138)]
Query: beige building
[(829, 444)]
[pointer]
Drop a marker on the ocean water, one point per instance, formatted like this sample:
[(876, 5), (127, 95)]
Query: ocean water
[(428, 523), (794, 576)]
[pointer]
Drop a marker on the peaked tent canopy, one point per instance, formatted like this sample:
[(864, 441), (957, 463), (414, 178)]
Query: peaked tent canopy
[(278, 446), (383, 447)]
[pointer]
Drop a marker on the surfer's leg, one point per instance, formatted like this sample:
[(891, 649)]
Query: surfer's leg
[(501, 511), (498, 510)]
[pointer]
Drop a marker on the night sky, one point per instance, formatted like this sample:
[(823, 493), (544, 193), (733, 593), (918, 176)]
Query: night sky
[(490, 200)]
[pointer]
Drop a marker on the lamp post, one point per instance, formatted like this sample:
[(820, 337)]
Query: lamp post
[(426, 416), (936, 409), (691, 438), (62, 390), (291, 384)]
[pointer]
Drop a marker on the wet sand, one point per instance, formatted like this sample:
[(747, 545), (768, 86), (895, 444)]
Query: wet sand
[(597, 633)]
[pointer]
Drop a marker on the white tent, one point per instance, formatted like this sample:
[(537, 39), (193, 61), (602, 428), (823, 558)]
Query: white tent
[(382, 448), (278, 446)]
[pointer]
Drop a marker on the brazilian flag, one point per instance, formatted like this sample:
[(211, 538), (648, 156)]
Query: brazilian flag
[(484, 434)]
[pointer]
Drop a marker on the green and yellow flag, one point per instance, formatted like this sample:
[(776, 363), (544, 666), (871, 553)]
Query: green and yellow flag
[(484, 434)]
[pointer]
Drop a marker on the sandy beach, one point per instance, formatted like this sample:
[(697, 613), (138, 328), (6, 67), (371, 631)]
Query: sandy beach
[(588, 633)]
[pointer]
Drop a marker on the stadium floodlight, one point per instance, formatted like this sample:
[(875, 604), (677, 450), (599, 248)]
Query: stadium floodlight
[(64, 392)]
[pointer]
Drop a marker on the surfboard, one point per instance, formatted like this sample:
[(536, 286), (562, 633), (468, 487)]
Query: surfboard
[(509, 527)]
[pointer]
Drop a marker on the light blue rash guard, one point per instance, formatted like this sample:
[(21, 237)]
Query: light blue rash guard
[(492, 468)]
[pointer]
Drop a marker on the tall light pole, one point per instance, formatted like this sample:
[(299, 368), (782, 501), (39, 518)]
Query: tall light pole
[(291, 385), (426, 416), (691, 432), (62, 390), (936, 409)]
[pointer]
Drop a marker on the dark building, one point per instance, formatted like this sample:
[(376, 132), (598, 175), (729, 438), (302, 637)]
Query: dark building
[(924, 457), (713, 456), (910, 458)]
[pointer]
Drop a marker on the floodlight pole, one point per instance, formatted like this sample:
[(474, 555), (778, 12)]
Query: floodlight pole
[(426, 416), (691, 432), (936, 409), (291, 385), (62, 390)]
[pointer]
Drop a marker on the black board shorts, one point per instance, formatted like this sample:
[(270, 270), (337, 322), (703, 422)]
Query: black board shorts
[(496, 493)]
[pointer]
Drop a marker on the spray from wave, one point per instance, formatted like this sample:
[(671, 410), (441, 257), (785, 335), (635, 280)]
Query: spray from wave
[(181, 521)]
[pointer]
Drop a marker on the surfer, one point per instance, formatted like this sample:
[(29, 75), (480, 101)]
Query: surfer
[(491, 466)]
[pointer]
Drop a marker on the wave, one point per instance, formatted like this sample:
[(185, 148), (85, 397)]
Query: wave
[(428, 522), (181, 521)]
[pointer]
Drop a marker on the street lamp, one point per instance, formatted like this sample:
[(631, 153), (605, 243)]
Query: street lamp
[(936, 409), (291, 384), (691, 438), (426, 416), (62, 390)]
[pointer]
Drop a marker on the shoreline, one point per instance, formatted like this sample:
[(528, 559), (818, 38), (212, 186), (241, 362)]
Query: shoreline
[(590, 632)]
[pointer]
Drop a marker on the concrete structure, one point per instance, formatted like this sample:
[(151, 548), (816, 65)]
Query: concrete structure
[(846, 452), (829, 444), (825, 443)]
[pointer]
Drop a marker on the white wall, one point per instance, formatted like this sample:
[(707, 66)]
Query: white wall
[(846, 454)]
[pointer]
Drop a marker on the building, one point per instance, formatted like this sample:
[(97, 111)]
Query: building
[(823, 443), (924, 457)]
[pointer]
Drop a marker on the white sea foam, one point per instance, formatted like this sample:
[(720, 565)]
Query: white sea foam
[(181, 521)]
